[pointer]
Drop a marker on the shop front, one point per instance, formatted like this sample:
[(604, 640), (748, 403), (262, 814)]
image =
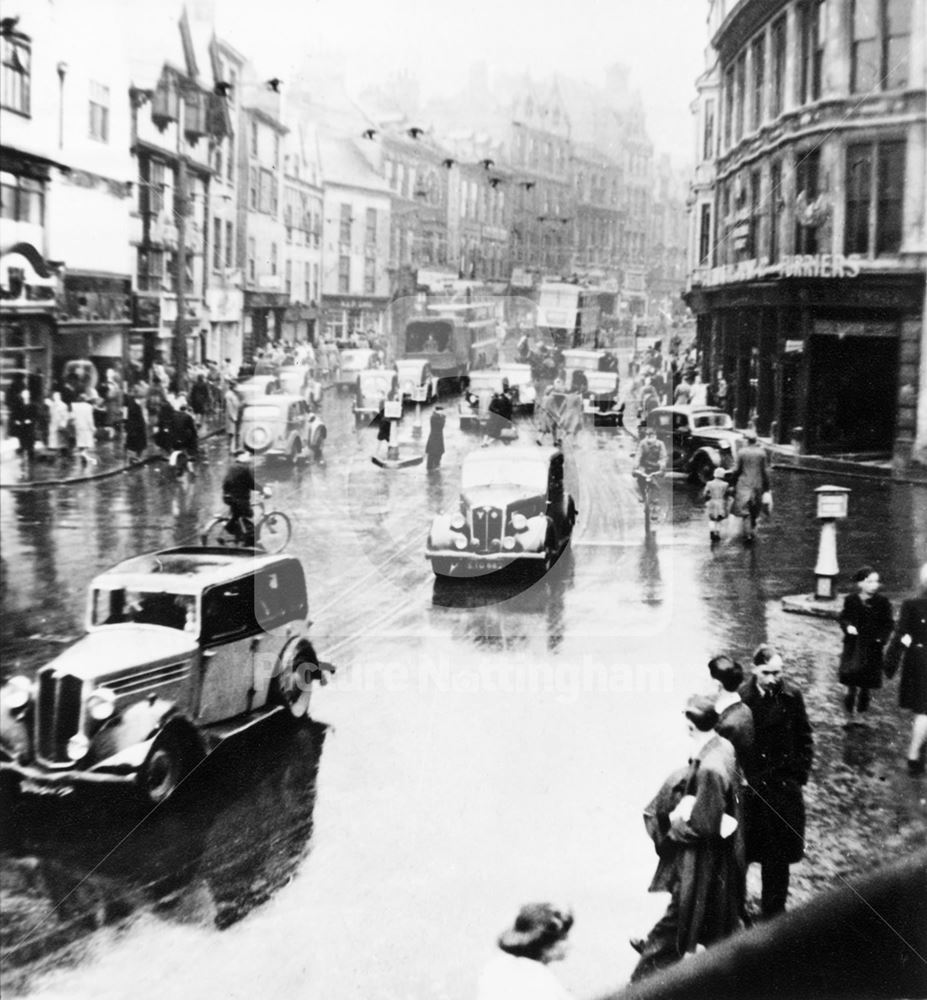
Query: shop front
[(823, 354), (299, 323), (353, 315), (224, 339), (263, 320)]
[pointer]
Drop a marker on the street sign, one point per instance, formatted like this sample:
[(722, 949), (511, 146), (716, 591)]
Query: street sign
[(392, 409)]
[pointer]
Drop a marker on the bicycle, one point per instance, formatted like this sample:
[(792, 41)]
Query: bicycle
[(653, 503), (181, 462), (269, 531)]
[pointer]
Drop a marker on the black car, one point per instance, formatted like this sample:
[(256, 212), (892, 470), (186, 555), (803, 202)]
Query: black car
[(698, 439)]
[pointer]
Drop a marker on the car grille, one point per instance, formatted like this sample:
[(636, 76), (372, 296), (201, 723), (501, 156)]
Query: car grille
[(58, 715), (488, 524)]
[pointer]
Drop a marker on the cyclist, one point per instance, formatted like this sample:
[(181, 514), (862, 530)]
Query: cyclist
[(237, 487), (650, 461), (184, 439)]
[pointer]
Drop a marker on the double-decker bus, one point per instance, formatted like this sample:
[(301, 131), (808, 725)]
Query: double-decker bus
[(569, 313)]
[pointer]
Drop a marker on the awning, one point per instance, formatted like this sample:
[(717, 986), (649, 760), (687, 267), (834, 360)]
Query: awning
[(24, 163)]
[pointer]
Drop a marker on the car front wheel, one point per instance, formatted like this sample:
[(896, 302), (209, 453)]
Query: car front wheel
[(292, 688), (703, 470), (167, 764)]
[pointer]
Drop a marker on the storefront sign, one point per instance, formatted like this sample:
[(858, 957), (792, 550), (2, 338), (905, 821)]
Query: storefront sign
[(794, 346), (821, 265), (521, 278)]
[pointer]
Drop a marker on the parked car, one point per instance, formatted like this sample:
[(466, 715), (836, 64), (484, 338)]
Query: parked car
[(371, 390), (513, 508), (280, 426), (698, 439), (520, 380), (257, 385), (183, 648), (354, 360), (298, 380), (416, 380)]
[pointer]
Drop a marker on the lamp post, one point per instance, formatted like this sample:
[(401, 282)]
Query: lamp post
[(832, 505)]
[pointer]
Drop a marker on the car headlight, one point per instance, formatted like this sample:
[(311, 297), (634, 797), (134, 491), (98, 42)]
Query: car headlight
[(458, 522), (460, 541), (724, 445), (101, 704), (18, 692), (78, 746), (519, 522), (508, 543)]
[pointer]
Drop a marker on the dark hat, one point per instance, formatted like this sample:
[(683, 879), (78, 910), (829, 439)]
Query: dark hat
[(536, 928), (700, 711)]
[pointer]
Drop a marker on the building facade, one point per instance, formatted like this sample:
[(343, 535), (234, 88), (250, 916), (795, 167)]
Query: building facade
[(810, 252)]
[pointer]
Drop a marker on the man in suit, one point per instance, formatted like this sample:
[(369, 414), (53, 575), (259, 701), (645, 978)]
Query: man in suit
[(750, 479), (783, 750)]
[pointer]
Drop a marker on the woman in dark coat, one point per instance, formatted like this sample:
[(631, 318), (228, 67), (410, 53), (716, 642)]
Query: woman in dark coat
[(866, 620), (908, 646), (136, 430), (434, 446)]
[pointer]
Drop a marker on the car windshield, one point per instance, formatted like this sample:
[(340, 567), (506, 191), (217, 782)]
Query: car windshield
[(504, 471), (712, 420), (480, 382), (121, 605), (260, 412)]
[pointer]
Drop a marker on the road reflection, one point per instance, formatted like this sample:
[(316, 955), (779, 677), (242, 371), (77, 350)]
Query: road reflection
[(234, 835)]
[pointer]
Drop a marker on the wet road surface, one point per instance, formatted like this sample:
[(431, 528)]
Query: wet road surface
[(481, 746)]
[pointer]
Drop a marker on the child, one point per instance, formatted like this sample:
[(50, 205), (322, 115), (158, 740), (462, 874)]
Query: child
[(716, 493)]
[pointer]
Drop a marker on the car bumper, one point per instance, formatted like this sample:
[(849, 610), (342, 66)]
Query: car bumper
[(451, 562), (39, 782)]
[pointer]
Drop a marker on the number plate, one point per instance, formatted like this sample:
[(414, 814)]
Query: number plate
[(28, 786)]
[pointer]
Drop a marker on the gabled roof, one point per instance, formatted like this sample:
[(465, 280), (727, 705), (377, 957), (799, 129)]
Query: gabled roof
[(344, 164)]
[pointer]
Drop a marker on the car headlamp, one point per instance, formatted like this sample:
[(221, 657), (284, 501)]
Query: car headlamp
[(460, 542), (458, 522), (519, 522), (724, 444), (101, 704), (508, 543), (78, 746), (18, 692)]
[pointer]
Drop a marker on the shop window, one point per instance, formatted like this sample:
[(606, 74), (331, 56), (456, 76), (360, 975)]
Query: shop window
[(875, 194), (806, 187), (778, 36), (775, 205), (881, 44), (15, 73), (22, 199), (99, 112), (149, 269)]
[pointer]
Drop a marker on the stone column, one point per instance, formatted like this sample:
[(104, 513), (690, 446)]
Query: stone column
[(837, 49), (792, 57)]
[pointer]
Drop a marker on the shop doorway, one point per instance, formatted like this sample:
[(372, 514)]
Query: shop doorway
[(853, 394)]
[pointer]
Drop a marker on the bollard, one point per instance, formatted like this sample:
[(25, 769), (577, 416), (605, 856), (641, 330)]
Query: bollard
[(418, 394), (833, 502)]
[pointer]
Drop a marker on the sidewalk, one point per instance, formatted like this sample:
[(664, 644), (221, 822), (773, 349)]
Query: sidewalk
[(49, 469), (785, 456)]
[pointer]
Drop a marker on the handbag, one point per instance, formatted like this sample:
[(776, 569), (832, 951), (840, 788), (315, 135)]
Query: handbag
[(851, 662), (766, 503)]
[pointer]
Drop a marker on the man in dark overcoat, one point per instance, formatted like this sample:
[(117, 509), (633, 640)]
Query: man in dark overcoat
[(750, 480), (700, 844), (783, 750)]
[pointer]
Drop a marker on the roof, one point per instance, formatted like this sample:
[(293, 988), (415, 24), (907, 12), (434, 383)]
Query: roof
[(271, 397), (513, 453), (344, 164), (184, 570)]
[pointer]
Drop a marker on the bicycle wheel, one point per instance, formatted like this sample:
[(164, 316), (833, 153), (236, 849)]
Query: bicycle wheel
[(217, 534), (273, 532)]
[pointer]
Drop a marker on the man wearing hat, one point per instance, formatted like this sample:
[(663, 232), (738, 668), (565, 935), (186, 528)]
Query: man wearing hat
[(699, 838), (237, 487), (750, 479), (519, 972)]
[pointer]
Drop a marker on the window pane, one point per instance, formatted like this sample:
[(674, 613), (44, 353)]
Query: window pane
[(891, 197), (865, 19), (865, 66), (897, 51), (859, 181), (898, 17)]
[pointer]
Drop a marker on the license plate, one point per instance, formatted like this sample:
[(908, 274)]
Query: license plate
[(480, 566), (30, 787)]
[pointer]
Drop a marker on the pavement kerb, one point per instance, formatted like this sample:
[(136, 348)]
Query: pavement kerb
[(36, 484)]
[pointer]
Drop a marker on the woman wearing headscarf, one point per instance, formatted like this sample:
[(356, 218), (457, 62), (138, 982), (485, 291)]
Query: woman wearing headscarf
[(908, 648)]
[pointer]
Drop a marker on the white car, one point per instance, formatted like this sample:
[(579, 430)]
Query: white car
[(519, 378), (416, 381), (354, 360)]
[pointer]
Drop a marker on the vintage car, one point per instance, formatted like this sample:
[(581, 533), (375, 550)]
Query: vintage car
[(416, 381), (183, 647), (520, 380), (354, 360), (473, 408), (698, 439), (513, 508), (371, 389), (280, 426), (257, 385), (298, 380), (600, 384)]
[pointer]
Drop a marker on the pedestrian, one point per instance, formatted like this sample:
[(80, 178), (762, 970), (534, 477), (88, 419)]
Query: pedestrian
[(185, 437), (699, 391), (782, 754), (84, 430), (199, 398), (232, 409), (716, 492), (519, 971), (385, 424), (735, 719), (683, 394), (866, 620), (908, 648), (25, 421), (720, 393), (704, 845), (750, 479), (136, 430), (434, 446), (59, 416), (113, 402)]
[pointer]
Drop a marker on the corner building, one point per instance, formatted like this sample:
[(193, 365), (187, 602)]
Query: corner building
[(808, 221)]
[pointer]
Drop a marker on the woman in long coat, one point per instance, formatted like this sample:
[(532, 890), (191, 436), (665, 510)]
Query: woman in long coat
[(434, 446), (866, 620), (909, 646), (136, 431)]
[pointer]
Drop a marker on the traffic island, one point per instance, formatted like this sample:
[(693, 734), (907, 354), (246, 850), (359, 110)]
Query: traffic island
[(809, 604), (400, 456)]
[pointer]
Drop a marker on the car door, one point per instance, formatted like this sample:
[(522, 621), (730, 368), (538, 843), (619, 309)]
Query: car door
[(230, 639), (682, 440)]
